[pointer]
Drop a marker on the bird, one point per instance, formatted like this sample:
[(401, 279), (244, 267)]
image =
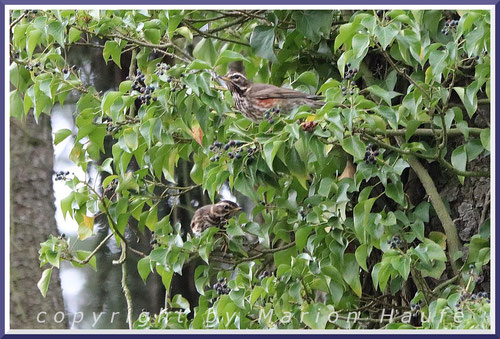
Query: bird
[(214, 215), (253, 100)]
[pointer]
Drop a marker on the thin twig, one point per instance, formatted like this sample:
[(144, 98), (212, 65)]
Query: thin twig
[(87, 259)]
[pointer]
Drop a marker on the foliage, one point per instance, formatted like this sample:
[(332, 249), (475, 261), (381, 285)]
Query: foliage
[(399, 85)]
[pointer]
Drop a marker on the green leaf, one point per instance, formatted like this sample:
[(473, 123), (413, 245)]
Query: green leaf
[(201, 278), (113, 49), (43, 283), (205, 51), (144, 268), (153, 35), (301, 237), (386, 34), (395, 192), (180, 302), (313, 24), (387, 96), (354, 146), (74, 35), (61, 134), (131, 139), (228, 56), (34, 39), (361, 217), (360, 43), (362, 252), (459, 160), (56, 30), (16, 105), (485, 138), (270, 150), (262, 42), (345, 35), (82, 255), (418, 228), (351, 273)]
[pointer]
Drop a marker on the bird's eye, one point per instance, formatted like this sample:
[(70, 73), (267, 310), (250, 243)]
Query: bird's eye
[(227, 207), (236, 76)]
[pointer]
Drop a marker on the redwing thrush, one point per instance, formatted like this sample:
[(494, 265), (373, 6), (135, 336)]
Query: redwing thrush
[(254, 99), (215, 215)]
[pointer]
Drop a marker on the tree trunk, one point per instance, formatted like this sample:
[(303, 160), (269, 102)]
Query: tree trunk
[(32, 219)]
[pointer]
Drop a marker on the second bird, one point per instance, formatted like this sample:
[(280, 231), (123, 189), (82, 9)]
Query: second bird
[(215, 215)]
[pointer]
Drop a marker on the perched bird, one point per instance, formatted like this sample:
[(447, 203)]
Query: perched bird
[(253, 100), (215, 215)]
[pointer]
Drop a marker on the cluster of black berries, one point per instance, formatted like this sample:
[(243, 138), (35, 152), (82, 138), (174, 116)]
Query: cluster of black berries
[(394, 242), (221, 287), (466, 296), (218, 147), (34, 11), (73, 68), (61, 175), (415, 308), (268, 115), (31, 67), (349, 89), (146, 91), (264, 275), (62, 236), (449, 25), (380, 14), (371, 153), (153, 240), (309, 126), (351, 72), (161, 68)]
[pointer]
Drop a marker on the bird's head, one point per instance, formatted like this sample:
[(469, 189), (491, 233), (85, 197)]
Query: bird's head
[(236, 82), (226, 209)]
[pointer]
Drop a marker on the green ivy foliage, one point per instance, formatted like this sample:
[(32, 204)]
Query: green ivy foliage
[(400, 84)]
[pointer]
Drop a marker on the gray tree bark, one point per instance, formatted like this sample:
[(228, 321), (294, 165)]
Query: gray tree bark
[(32, 219)]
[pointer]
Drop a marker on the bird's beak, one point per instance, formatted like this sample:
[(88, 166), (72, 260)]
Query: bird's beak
[(223, 78)]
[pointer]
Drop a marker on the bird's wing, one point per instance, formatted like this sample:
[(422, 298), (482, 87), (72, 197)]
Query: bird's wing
[(265, 91)]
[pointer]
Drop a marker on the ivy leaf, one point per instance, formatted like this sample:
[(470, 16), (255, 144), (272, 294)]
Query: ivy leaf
[(144, 268), (228, 56), (313, 24), (56, 30), (74, 35), (354, 146), (386, 34), (153, 35), (262, 42), (459, 160), (270, 150), (34, 39), (360, 43), (485, 138), (362, 252), (395, 192), (113, 49), (205, 51), (43, 283)]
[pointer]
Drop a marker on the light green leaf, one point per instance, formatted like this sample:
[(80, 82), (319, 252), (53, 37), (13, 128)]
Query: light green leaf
[(360, 43), (61, 134), (43, 283)]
